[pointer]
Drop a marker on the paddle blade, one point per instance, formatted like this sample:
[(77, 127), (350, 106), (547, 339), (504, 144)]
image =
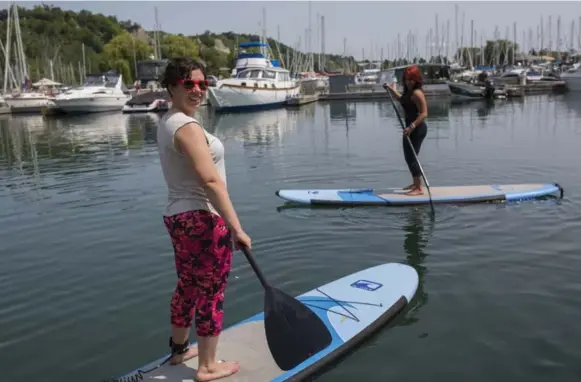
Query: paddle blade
[(293, 331)]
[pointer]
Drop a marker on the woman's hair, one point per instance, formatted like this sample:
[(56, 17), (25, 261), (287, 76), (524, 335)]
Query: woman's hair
[(179, 68), (413, 73)]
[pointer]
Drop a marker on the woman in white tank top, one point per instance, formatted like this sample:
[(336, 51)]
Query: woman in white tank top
[(200, 220)]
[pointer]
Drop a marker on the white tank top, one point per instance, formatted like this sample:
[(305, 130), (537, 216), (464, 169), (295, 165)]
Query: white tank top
[(184, 191)]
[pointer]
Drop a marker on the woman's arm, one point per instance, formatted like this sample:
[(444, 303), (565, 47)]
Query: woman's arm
[(190, 140), (420, 100)]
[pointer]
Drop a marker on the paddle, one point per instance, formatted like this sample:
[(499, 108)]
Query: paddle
[(413, 150), (293, 331)]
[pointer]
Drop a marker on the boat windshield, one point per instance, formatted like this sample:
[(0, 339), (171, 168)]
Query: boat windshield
[(106, 80), (150, 70)]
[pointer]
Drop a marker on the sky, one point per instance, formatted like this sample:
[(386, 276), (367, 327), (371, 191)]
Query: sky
[(366, 25)]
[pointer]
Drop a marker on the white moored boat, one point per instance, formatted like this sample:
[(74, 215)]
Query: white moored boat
[(100, 92), (254, 88), (28, 102)]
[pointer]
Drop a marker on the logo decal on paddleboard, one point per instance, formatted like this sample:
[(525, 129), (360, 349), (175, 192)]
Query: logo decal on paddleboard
[(367, 285)]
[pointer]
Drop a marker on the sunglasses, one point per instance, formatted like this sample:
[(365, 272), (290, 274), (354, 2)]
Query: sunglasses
[(190, 84)]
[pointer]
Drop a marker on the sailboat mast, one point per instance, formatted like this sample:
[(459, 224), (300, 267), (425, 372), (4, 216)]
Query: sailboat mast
[(7, 53), (542, 34), (456, 46), (323, 63), (264, 38), (309, 41)]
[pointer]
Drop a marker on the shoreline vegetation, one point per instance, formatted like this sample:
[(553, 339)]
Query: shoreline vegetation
[(57, 37)]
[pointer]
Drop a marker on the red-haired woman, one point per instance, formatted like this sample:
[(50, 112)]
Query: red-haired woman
[(415, 107)]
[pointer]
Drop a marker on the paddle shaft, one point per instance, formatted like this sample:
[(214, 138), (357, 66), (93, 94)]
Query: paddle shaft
[(411, 146), (255, 266)]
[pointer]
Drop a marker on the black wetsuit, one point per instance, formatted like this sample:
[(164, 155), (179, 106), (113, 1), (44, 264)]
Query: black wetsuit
[(416, 136)]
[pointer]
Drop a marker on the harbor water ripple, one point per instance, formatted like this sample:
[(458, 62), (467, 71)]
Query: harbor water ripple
[(86, 266)]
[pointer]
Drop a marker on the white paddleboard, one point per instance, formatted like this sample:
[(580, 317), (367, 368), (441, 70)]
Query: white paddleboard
[(398, 197), (352, 308)]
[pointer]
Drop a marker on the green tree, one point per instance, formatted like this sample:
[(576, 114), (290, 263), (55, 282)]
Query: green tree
[(179, 45), (499, 52), (207, 39), (52, 34), (470, 55), (119, 54), (214, 60)]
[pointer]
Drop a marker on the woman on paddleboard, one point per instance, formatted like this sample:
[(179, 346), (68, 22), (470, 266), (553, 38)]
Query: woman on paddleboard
[(200, 220), (415, 107)]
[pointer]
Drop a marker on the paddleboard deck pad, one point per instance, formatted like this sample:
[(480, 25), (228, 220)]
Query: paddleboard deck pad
[(398, 197), (352, 308)]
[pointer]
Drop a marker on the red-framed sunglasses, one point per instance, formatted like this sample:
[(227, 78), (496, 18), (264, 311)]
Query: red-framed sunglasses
[(190, 84)]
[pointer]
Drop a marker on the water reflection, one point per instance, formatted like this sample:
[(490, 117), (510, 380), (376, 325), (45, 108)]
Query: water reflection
[(264, 128), (415, 241), (142, 129), (342, 111), (79, 136), (15, 133), (572, 102), (40, 158), (306, 110)]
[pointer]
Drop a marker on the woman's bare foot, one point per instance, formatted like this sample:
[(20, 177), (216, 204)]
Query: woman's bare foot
[(415, 191), (179, 358), (220, 369)]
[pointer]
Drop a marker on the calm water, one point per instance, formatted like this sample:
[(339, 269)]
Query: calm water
[(86, 268)]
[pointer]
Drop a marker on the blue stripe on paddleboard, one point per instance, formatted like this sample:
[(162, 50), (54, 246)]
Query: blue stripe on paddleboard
[(360, 197), (547, 189)]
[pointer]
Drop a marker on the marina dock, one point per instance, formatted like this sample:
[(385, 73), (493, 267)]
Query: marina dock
[(303, 99), (533, 88)]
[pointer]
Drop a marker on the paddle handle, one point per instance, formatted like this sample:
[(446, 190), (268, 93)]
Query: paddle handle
[(254, 266)]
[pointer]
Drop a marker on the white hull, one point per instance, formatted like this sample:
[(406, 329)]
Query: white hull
[(233, 97), (91, 105), (27, 104)]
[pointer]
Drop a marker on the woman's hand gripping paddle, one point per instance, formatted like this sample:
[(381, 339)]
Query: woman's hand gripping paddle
[(413, 150), (293, 331)]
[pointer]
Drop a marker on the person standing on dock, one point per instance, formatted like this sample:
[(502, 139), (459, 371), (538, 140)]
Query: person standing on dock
[(200, 220), (413, 102)]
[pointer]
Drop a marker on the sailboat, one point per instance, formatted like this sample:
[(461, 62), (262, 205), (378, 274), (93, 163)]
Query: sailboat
[(22, 99)]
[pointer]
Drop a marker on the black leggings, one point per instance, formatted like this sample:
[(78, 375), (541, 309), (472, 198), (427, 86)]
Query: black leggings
[(416, 137)]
